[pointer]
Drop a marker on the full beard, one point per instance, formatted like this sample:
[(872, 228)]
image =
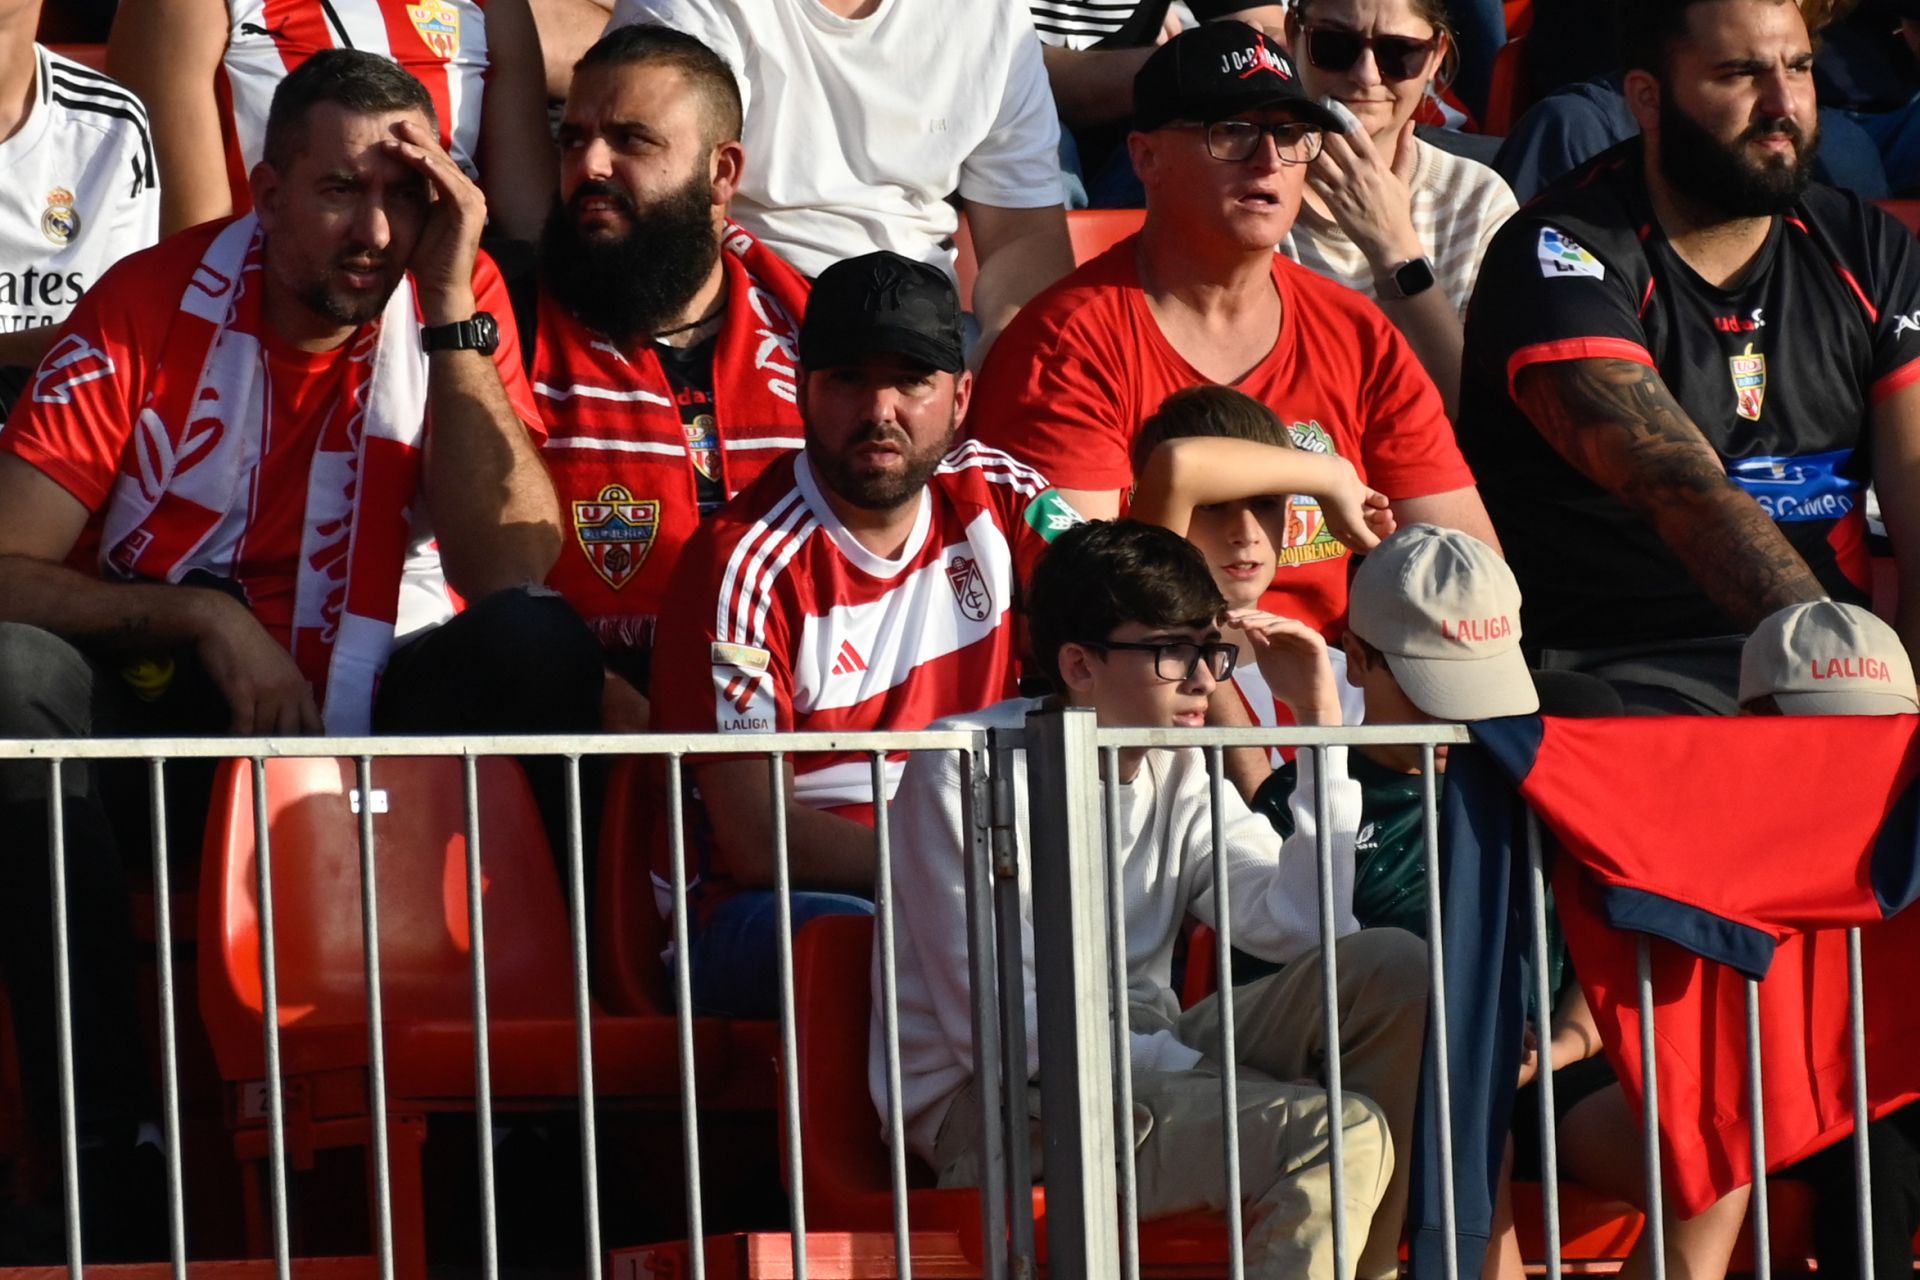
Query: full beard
[(881, 491), (349, 308), (636, 284), (1716, 175)]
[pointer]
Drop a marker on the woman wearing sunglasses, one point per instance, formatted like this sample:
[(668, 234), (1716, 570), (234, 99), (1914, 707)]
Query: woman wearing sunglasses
[(1385, 213)]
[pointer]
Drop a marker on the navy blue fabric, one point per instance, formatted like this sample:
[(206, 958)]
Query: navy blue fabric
[(1895, 871), (1481, 900), (1711, 936)]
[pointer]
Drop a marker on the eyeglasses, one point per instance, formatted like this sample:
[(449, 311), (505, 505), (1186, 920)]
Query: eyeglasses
[(1177, 660), (1397, 57), (1235, 141)]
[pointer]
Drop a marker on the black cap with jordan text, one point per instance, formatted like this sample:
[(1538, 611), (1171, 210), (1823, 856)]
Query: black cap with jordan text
[(1219, 70), (883, 304)]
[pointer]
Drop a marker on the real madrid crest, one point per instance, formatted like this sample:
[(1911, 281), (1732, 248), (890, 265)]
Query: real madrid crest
[(616, 530), (439, 26), (61, 221)]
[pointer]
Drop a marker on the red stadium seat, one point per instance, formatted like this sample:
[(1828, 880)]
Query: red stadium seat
[(1519, 18), (1507, 96), (419, 829), (1908, 211), (1094, 231), (91, 55), (844, 1157)]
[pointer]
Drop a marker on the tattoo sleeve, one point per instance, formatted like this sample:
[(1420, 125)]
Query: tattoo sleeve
[(1619, 425)]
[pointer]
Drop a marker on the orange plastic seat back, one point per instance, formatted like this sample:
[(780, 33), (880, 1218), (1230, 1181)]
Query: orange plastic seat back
[(1507, 95), (1908, 211), (629, 934), (1095, 231), (844, 1155), (419, 826)]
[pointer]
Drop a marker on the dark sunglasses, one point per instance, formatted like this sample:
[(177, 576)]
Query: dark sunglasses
[(1397, 57), (1177, 660)]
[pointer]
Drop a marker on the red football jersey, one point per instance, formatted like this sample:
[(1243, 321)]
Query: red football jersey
[(778, 619), (1083, 364), (78, 415)]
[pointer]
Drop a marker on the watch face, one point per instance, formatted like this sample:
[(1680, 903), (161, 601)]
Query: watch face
[(486, 331), (1414, 278)]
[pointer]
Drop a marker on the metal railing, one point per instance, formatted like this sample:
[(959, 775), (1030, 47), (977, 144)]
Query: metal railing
[(1080, 962)]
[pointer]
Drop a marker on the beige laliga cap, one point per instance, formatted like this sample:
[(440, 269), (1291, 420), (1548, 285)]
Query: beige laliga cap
[(1445, 610), (1827, 659)]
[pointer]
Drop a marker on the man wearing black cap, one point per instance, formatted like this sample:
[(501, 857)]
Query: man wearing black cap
[(863, 583), (1223, 137)]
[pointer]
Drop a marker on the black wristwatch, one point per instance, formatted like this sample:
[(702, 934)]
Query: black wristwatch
[(1408, 280), (478, 334)]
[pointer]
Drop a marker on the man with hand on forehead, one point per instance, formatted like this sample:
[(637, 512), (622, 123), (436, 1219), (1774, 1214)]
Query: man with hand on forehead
[(1223, 132), (246, 491)]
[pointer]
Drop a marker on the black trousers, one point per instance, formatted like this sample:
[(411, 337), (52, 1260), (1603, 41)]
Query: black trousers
[(518, 661)]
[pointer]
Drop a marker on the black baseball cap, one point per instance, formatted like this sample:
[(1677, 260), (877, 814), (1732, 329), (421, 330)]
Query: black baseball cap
[(883, 304), (1218, 70)]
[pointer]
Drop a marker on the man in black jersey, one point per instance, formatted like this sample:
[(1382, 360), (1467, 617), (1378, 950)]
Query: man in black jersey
[(1685, 364), (664, 344)]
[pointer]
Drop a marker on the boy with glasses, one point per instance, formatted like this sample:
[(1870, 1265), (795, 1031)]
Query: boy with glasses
[(1125, 620), (1224, 137)]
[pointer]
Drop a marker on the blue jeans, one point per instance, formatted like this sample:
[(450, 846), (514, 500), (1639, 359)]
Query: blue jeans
[(736, 973)]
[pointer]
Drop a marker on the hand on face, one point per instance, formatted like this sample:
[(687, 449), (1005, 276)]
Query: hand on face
[(1370, 196), (443, 257), (1292, 657)]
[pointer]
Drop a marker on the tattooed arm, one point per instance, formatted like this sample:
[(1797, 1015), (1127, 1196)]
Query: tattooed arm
[(1617, 423)]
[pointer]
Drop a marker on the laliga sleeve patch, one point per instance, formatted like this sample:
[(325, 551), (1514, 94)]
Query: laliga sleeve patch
[(1561, 255), (743, 656), (1050, 515)]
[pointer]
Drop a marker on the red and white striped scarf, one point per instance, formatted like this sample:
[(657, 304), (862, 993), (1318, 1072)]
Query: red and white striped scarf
[(181, 501)]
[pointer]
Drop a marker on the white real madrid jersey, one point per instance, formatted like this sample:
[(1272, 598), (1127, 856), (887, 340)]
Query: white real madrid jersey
[(442, 42), (81, 191)]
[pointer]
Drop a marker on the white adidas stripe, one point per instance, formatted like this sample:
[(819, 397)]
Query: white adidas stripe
[(745, 561)]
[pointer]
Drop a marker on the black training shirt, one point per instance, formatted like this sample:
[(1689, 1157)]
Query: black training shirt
[(1779, 372)]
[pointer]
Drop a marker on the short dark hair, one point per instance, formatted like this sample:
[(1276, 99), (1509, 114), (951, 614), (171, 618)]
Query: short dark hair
[(649, 43), (1649, 29), (1208, 410), (363, 83), (1101, 575)]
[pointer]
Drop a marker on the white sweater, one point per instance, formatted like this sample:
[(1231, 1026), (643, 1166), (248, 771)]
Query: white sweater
[(1167, 872), (1457, 206)]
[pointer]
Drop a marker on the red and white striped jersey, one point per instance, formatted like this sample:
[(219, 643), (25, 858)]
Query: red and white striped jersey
[(779, 619), (442, 42)]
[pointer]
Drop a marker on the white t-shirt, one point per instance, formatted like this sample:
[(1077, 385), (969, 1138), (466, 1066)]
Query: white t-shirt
[(857, 131), (1166, 852), (1457, 206), (81, 191)]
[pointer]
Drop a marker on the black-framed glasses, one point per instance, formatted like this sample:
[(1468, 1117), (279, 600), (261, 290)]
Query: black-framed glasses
[(1177, 660), (1397, 57), (1235, 141)]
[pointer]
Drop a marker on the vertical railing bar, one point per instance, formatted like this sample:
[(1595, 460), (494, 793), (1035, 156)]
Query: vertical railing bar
[(63, 1017), (1436, 981), (1008, 913), (376, 1032), (1330, 994), (1862, 1175), (169, 1039), (683, 1017), (1762, 1240), (1543, 1078), (789, 1024), (1229, 1051), (270, 1020), (1650, 1076), (976, 815), (1122, 1020), (890, 1017), (583, 1016), (482, 1057)]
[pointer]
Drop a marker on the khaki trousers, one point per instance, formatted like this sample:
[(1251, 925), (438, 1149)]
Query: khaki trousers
[(1286, 1180)]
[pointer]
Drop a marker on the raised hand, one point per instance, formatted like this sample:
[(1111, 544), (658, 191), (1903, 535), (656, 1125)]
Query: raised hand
[(1292, 657), (1370, 196), (443, 257)]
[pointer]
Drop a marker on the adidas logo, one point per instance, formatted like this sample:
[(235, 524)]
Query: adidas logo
[(849, 662)]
